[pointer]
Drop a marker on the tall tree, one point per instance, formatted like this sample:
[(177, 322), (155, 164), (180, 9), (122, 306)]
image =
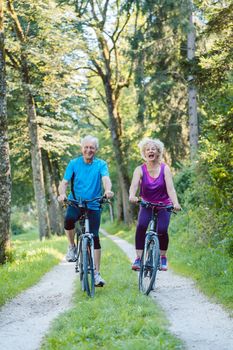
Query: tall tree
[(5, 180), (102, 27), (36, 158), (49, 45), (192, 90), (158, 49)]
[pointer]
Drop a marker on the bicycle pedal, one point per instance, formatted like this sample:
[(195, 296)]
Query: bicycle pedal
[(99, 285)]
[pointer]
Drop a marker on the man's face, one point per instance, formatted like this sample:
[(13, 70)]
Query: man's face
[(89, 151)]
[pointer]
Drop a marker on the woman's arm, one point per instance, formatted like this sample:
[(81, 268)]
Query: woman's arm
[(137, 175), (171, 189)]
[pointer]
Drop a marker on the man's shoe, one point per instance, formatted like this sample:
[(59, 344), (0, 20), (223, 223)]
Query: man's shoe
[(71, 255), (137, 264), (163, 263), (99, 281)]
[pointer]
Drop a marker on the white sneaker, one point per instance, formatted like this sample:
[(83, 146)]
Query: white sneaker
[(99, 281), (71, 254)]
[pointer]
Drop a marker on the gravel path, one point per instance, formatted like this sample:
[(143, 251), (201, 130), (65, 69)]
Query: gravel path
[(202, 325), (25, 320)]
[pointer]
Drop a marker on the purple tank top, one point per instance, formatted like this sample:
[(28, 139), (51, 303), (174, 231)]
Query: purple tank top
[(154, 190)]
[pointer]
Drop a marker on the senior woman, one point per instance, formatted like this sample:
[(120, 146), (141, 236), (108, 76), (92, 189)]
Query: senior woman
[(156, 186)]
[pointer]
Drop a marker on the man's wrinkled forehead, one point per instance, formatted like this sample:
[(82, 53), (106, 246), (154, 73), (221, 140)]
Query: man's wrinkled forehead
[(89, 144)]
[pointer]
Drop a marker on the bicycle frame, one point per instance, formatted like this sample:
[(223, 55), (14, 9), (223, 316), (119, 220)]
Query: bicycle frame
[(85, 259), (151, 253)]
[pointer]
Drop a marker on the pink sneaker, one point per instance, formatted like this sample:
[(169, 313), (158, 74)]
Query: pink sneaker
[(163, 263)]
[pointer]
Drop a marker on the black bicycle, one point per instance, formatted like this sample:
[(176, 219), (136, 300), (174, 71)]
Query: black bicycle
[(85, 258), (150, 262)]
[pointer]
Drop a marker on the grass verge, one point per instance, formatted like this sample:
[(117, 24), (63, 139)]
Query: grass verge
[(209, 266), (121, 230), (118, 317), (30, 259)]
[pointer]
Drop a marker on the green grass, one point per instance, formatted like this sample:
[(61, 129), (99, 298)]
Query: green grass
[(29, 260), (118, 317), (121, 230), (211, 268)]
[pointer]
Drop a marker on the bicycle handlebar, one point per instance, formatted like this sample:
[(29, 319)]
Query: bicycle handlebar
[(147, 204), (83, 202)]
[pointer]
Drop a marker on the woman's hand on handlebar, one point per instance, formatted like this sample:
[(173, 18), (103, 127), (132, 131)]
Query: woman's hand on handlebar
[(177, 207), (133, 199)]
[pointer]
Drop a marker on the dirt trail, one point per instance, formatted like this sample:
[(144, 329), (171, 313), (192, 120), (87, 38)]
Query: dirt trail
[(201, 324), (26, 319)]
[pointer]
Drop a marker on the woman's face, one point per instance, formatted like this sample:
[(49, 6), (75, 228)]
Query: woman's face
[(151, 152)]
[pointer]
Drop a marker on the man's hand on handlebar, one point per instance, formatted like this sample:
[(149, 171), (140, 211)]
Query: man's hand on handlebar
[(108, 194), (61, 198)]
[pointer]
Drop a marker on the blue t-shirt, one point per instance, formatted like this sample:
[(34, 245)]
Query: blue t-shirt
[(87, 178)]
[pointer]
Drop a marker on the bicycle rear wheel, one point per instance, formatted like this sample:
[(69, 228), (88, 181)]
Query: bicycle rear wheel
[(149, 265), (88, 267)]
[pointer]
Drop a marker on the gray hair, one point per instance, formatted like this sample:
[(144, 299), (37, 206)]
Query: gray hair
[(157, 143), (90, 138)]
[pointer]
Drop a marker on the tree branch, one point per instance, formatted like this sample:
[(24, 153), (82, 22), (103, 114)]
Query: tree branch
[(14, 62), (17, 24), (96, 117)]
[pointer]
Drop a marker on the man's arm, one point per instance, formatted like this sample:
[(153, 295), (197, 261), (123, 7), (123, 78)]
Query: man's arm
[(62, 190), (107, 184)]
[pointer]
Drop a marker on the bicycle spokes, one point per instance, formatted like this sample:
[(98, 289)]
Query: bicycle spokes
[(149, 265)]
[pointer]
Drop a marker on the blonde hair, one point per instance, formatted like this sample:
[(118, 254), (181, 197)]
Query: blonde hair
[(157, 143), (90, 138)]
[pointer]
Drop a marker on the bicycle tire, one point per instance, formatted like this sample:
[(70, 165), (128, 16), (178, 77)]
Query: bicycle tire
[(149, 264), (79, 265), (88, 267)]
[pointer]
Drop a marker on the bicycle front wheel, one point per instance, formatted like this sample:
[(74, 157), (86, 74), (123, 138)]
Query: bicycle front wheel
[(149, 265), (88, 267), (79, 264)]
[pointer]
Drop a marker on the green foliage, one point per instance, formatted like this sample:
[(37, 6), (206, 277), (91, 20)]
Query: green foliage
[(110, 324), (23, 220), (49, 41), (158, 49), (201, 242)]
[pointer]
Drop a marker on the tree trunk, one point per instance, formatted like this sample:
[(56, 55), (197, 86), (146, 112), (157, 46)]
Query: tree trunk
[(115, 128), (56, 226), (5, 180), (192, 93), (120, 215), (57, 178), (37, 170)]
